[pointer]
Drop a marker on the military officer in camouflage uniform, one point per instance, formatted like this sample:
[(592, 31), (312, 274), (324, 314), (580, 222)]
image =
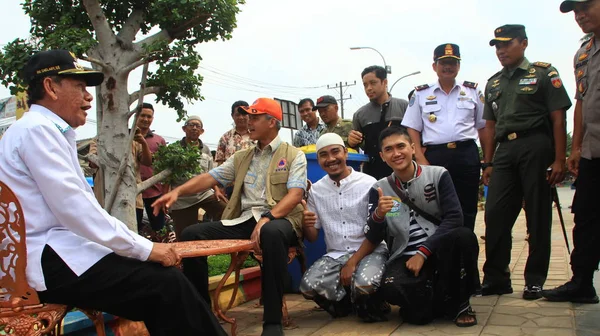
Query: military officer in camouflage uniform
[(328, 111), (584, 161), (525, 107)]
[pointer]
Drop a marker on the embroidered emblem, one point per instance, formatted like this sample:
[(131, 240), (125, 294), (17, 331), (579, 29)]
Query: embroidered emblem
[(463, 93), (526, 89), (429, 192), (531, 70), (552, 73), (411, 102), (421, 87), (432, 117), (556, 82), (431, 97)]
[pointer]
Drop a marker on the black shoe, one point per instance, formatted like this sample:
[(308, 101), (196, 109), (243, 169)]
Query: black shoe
[(572, 292), (532, 292), (487, 290), (272, 330)]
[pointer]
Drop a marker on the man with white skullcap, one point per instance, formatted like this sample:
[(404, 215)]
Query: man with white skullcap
[(346, 278)]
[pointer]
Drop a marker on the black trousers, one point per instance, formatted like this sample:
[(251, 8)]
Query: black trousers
[(140, 291), (444, 285), (586, 233), (519, 173), (464, 167), (156, 222), (275, 239)]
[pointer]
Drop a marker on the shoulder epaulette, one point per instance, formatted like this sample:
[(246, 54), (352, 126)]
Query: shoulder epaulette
[(587, 40), (541, 64), (494, 75), (421, 87), (471, 85)]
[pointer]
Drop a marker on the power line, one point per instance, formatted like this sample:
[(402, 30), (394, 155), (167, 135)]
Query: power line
[(254, 81)]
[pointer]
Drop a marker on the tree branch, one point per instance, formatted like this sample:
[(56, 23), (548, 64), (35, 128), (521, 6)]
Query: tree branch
[(153, 180), (132, 25), (136, 95), (170, 34), (94, 60), (104, 33), (161, 35), (92, 158)]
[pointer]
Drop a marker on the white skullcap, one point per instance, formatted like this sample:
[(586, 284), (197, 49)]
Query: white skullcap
[(329, 139)]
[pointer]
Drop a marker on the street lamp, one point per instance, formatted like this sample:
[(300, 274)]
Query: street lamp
[(388, 68), (397, 80)]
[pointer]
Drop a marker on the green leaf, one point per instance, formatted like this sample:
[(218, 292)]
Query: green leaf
[(182, 161)]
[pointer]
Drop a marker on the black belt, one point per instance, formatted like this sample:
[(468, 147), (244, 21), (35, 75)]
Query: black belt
[(452, 145), (521, 134)]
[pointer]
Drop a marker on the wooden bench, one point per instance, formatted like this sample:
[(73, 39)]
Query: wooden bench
[(21, 313)]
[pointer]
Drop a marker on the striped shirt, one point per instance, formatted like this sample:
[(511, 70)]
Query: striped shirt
[(416, 236)]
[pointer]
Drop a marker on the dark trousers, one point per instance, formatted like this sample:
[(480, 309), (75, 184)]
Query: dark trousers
[(140, 291), (519, 173), (444, 285), (586, 233), (464, 167), (275, 239), (156, 222), (189, 216)]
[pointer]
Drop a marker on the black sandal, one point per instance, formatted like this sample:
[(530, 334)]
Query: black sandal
[(470, 312)]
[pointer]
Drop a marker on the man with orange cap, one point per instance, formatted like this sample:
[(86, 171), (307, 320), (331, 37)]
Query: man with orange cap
[(269, 182)]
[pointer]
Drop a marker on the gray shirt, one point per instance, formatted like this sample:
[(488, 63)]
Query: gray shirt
[(587, 66), (371, 113)]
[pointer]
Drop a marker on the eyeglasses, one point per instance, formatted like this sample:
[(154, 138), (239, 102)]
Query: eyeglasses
[(199, 126)]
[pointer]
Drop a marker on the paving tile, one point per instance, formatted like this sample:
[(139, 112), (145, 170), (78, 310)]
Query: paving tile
[(532, 317), (525, 331), (351, 326), (541, 303)]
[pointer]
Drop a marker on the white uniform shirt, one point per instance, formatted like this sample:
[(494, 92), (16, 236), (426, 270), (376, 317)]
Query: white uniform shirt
[(342, 212), (458, 115), (38, 161)]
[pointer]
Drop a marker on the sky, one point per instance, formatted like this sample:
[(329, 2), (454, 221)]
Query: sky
[(293, 49)]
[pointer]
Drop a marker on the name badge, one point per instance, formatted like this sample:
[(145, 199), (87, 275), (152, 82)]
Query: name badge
[(528, 81)]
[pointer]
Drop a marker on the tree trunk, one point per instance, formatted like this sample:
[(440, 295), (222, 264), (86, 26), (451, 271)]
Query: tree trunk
[(113, 146)]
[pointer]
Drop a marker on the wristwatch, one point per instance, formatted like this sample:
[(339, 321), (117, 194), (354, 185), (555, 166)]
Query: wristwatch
[(267, 214), (485, 165)]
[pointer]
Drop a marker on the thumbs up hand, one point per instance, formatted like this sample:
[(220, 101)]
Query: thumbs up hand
[(310, 218), (385, 204)]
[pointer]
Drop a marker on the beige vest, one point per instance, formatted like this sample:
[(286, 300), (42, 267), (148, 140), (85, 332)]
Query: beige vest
[(276, 184)]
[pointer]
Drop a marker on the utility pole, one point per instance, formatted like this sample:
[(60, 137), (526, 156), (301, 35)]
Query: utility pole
[(340, 86)]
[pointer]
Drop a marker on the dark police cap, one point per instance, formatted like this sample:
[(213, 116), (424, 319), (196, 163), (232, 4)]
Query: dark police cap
[(569, 5), (324, 101), (447, 50), (59, 63), (507, 33)]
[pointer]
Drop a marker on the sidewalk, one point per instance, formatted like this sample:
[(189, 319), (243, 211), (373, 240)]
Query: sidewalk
[(508, 315)]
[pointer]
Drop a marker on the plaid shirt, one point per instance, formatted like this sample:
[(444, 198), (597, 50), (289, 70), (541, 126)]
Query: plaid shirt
[(307, 136), (230, 143)]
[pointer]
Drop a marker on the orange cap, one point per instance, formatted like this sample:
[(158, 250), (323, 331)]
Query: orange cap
[(264, 106)]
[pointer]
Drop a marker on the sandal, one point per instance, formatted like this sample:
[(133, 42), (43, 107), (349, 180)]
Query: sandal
[(468, 312)]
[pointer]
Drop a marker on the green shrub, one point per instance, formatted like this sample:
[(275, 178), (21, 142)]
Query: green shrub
[(219, 264)]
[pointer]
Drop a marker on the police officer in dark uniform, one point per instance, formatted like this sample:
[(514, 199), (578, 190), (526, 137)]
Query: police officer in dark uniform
[(525, 107), (448, 116), (584, 161)]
